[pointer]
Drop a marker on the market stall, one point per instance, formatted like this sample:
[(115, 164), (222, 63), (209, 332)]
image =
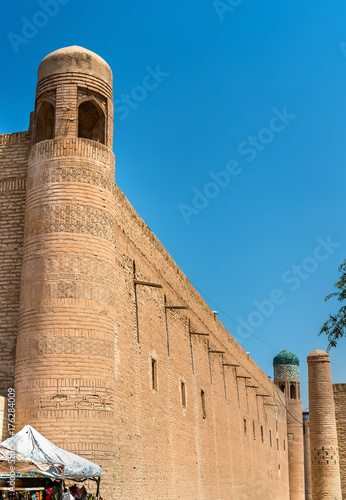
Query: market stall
[(32, 467)]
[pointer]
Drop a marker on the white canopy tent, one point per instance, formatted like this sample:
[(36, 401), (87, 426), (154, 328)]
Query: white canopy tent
[(35, 456)]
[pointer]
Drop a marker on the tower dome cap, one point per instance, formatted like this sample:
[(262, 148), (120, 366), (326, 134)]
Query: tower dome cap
[(286, 357), (318, 355), (75, 60)]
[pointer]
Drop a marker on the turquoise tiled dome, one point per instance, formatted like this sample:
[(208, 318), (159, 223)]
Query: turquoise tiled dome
[(286, 358)]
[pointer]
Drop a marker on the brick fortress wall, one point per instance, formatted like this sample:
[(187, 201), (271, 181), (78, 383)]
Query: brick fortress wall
[(339, 391), (14, 153), (164, 449), (91, 334)]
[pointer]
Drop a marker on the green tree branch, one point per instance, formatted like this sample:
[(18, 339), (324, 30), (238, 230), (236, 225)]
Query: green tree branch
[(335, 326)]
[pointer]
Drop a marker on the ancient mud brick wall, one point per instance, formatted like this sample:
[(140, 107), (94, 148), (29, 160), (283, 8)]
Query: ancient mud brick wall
[(91, 333), (340, 414), (234, 447), (14, 153)]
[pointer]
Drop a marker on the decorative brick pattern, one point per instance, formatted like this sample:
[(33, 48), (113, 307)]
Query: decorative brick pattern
[(79, 149), (70, 218), (13, 184), (286, 372), (325, 455), (60, 341), (75, 172)]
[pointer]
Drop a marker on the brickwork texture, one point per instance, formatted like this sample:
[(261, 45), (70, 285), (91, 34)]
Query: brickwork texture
[(325, 457), (339, 391), (14, 154), (112, 352), (307, 455)]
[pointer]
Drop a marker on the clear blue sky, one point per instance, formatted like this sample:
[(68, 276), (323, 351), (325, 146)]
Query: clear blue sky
[(225, 80)]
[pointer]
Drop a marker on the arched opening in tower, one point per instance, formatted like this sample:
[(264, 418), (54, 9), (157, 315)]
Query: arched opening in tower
[(282, 387), (45, 122), (293, 392), (91, 122)]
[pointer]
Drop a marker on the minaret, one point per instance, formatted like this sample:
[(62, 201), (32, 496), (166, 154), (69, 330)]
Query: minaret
[(64, 376), (286, 377), (307, 460), (325, 471)]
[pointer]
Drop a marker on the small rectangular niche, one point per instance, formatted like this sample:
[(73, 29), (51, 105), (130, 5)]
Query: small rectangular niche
[(262, 433), (245, 426), (183, 394), (154, 374), (204, 414), (270, 438), (254, 429)]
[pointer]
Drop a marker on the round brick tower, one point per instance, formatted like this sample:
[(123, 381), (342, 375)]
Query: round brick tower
[(286, 377), (64, 377), (325, 471)]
